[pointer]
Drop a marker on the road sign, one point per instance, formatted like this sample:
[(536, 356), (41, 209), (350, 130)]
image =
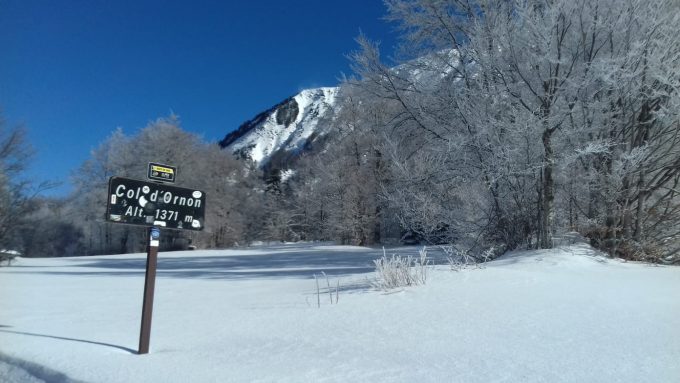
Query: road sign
[(151, 204), (160, 172)]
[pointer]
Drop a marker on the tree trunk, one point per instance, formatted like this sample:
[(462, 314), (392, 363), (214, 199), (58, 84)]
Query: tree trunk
[(124, 241), (642, 195), (627, 214), (548, 192)]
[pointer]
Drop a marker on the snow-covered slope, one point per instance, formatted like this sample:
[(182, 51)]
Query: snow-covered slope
[(296, 122), (250, 315), (288, 126)]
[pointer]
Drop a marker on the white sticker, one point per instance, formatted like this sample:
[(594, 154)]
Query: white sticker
[(113, 199), (196, 194), (195, 223), (142, 201), (145, 189), (154, 243)]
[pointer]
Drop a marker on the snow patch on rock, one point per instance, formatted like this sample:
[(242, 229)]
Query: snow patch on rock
[(267, 134)]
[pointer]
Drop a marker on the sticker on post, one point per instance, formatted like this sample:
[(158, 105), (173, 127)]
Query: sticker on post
[(155, 233)]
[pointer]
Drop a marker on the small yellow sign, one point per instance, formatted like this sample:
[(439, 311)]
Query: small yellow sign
[(162, 169), (160, 172)]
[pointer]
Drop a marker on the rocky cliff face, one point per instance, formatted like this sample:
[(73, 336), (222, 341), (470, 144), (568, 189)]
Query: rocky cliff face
[(284, 129)]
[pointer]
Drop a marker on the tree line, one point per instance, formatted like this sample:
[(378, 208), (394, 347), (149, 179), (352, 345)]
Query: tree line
[(75, 225), (503, 123), (498, 125)]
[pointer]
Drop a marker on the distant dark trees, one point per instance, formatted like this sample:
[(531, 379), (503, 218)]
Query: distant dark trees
[(51, 230)]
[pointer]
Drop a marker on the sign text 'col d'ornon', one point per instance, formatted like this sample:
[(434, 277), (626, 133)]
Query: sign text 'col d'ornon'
[(150, 204)]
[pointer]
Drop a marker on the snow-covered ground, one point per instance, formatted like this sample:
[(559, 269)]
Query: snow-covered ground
[(251, 315)]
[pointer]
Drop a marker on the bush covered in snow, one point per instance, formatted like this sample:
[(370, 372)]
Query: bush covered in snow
[(458, 259), (401, 271)]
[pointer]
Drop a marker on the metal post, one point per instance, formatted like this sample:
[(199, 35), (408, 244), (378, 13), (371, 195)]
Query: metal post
[(149, 284)]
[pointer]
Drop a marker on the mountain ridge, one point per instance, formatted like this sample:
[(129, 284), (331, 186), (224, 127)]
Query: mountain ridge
[(287, 127)]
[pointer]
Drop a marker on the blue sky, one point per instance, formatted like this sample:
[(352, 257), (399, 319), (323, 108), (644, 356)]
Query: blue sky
[(74, 70)]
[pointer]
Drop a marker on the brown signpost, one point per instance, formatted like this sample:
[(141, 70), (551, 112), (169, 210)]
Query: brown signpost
[(154, 205), (149, 284)]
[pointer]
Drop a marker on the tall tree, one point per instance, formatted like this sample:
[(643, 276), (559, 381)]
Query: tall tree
[(508, 95), (16, 192), (230, 187)]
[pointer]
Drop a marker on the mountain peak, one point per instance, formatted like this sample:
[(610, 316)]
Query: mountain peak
[(286, 127)]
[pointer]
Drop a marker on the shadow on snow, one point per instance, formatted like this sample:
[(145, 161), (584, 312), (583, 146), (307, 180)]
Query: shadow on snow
[(287, 261), (69, 339)]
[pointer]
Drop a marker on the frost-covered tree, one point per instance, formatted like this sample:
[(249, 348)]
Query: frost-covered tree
[(335, 193), (631, 155), (50, 231), (230, 186), (110, 158), (16, 192), (515, 99), (234, 197)]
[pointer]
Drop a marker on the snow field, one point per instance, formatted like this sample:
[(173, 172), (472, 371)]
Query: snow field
[(250, 315)]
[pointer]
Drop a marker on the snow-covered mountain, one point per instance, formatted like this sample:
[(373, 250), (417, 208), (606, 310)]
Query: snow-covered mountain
[(280, 133), (288, 127)]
